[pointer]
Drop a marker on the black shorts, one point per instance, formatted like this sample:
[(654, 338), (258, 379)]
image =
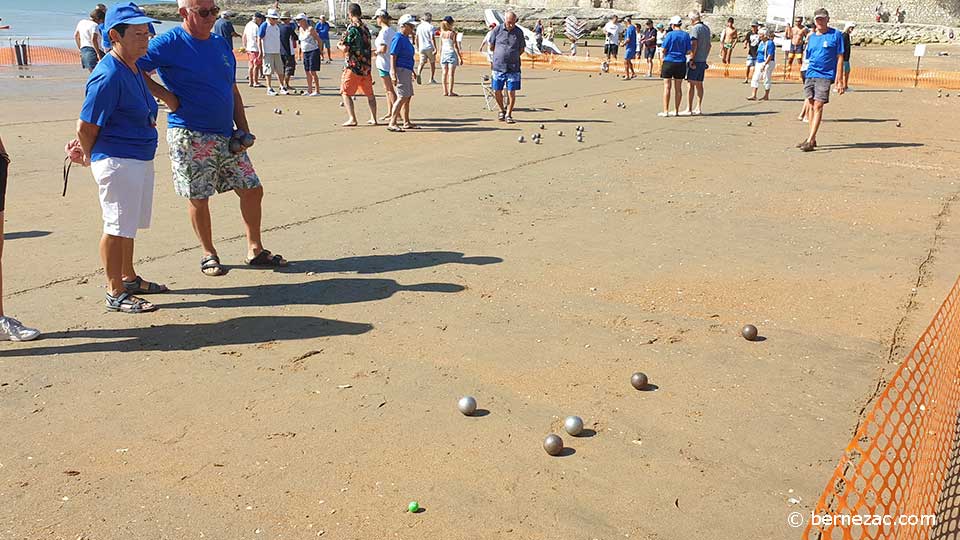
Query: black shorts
[(673, 70), (611, 48), (289, 64), (649, 52), (4, 165)]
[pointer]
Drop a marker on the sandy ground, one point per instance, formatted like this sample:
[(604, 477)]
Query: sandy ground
[(452, 261)]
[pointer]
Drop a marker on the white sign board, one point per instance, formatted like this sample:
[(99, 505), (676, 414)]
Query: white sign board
[(920, 50), (780, 11)]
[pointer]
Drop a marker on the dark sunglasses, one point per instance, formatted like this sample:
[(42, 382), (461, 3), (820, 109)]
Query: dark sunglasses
[(204, 12)]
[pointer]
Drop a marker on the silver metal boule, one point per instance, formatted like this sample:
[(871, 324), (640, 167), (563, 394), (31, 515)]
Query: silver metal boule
[(639, 380), (236, 146), (553, 444), (573, 425), (248, 139), (467, 405)]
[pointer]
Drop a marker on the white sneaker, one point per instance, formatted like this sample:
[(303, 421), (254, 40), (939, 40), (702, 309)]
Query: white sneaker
[(684, 113), (271, 92), (284, 92), (314, 94), (663, 114), (13, 330), (697, 112)]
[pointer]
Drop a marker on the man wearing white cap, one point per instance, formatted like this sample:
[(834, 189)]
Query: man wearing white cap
[(824, 66), (697, 68), (269, 43)]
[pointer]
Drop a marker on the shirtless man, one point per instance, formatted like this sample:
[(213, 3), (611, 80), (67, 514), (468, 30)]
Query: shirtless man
[(728, 39), (798, 36)]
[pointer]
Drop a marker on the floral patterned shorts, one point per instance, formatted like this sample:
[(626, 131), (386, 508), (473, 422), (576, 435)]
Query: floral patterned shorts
[(202, 164)]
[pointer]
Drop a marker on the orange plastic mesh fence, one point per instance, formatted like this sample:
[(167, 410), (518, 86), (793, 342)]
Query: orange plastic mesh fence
[(861, 76), (902, 462)]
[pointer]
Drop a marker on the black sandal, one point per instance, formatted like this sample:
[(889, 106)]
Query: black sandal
[(267, 259), (211, 262), (136, 287)]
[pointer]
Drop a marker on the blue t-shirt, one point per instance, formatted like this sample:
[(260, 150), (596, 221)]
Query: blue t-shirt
[(201, 73), (118, 101), (287, 31), (767, 49), (323, 30), (676, 45), (630, 38), (225, 29), (822, 52), (403, 50)]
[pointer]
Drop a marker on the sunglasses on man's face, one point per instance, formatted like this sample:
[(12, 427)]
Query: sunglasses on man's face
[(205, 12)]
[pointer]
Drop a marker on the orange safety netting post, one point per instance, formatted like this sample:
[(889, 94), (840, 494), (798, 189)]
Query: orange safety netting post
[(904, 456)]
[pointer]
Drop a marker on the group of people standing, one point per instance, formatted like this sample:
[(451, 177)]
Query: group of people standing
[(273, 43)]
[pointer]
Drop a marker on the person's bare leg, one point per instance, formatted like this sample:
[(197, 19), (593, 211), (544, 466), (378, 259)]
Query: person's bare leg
[(691, 93), (433, 69), (396, 110), (444, 72), (453, 78), (251, 211), (699, 88), (351, 113), (666, 95), (498, 95), (511, 102), (111, 255), (816, 118), (678, 94), (202, 225), (406, 112), (269, 81), (1, 265), (127, 272), (372, 103)]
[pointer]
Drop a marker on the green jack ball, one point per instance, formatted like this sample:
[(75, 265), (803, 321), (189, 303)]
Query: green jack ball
[(413, 507)]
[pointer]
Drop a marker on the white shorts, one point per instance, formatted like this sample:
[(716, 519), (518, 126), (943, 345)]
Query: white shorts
[(126, 194)]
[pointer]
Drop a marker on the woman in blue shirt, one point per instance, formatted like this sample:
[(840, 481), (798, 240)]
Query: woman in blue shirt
[(117, 132), (766, 60), (676, 46)]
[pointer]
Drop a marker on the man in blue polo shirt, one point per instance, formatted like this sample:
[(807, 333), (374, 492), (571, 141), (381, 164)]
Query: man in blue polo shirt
[(825, 60), (117, 132), (323, 30), (199, 68)]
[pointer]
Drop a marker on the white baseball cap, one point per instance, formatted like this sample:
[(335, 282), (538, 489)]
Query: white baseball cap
[(273, 14), (673, 20), (850, 25), (382, 13), (300, 17), (407, 19)]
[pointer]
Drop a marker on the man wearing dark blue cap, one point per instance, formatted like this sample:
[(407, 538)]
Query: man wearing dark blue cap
[(117, 132), (199, 68)]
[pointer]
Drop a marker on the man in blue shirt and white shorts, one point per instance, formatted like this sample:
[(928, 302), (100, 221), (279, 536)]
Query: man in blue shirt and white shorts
[(825, 61), (507, 43), (200, 69)]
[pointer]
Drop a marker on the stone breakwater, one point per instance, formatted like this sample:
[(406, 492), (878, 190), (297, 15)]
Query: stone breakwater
[(469, 17)]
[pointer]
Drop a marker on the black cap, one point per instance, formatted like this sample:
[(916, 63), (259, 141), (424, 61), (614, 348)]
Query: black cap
[(448, 19)]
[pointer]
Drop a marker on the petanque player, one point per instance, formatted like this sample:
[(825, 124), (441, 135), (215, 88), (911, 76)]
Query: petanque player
[(309, 43), (649, 41), (847, 30), (697, 69), (251, 42), (401, 72), (426, 42), (611, 33), (88, 40), (356, 77), (288, 46), (507, 44), (629, 47), (10, 328), (825, 64), (797, 34), (117, 134), (676, 48), (766, 62), (269, 43), (382, 44), (751, 41), (200, 69), (323, 30)]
